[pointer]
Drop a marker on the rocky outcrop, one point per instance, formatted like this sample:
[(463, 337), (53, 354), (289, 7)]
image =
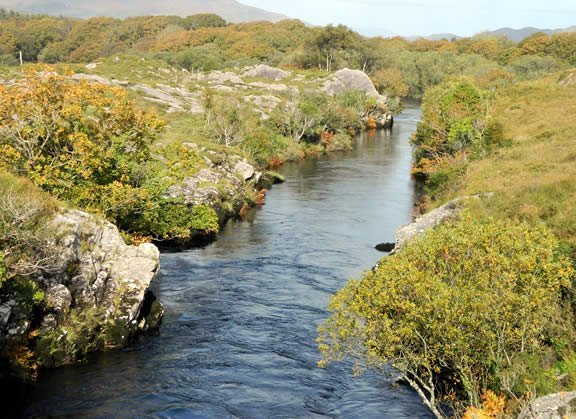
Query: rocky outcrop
[(220, 77), (552, 406), (426, 222), (346, 79), (225, 185), (431, 219), (176, 99), (96, 295), (266, 72)]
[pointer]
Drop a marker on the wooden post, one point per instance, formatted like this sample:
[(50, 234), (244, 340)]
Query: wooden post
[(21, 62)]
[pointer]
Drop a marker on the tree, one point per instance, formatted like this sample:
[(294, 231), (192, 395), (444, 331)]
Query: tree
[(390, 81), (225, 119), (69, 136), (453, 308), (330, 41), (455, 124), (36, 35), (298, 116), (205, 20)]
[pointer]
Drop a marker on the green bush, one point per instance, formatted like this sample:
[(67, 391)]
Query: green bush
[(454, 307), (204, 219)]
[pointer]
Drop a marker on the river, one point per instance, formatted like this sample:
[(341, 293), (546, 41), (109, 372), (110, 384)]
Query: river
[(238, 339)]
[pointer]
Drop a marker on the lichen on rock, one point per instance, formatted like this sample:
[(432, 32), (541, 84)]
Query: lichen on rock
[(96, 296)]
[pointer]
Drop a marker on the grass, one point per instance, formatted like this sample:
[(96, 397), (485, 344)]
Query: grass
[(534, 178)]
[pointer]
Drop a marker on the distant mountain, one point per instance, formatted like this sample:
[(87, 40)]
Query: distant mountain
[(516, 35), (230, 10)]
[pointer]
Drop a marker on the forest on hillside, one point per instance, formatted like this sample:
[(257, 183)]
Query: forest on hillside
[(207, 42)]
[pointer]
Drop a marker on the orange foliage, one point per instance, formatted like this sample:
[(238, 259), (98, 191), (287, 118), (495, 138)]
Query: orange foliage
[(260, 198), (493, 406)]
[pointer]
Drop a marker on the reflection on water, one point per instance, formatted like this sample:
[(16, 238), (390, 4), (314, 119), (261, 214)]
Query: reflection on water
[(238, 337)]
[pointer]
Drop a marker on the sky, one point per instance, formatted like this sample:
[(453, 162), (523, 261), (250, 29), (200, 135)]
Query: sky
[(422, 17)]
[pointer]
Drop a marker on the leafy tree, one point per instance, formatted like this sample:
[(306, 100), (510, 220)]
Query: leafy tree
[(454, 123), (535, 44), (205, 57), (203, 21), (453, 308), (299, 116), (390, 81), (225, 119), (37, 34), (331, 41), (563, 47), (69, 136)]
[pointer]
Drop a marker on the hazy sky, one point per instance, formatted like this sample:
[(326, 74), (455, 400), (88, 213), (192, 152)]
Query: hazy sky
[(421, 17)]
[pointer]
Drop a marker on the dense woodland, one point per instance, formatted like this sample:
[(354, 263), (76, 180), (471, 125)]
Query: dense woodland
[(477, 315), (207, 42)]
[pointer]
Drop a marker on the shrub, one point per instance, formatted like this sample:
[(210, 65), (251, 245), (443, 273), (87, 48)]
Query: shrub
[(455, 128), (204, 219), (453, 308), (64, 134), (25, 213)]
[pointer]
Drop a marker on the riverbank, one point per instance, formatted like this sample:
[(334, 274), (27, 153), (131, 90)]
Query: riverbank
[(479, 308), (241, 314)]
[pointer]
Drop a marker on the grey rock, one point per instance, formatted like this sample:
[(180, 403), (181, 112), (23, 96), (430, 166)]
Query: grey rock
[(265, 103), (58, 299), (245, 170), (277, 87), (385, 247), (346, 79), (266, 72), (5, 311), (108, 273), (432, 219), (93, 78), (49, 323), (552, 406), (225, 89), (426, 222), (226, 181), (219, 77), (177, 99)]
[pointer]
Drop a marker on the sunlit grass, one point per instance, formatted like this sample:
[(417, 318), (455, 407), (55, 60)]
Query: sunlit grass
[(535, 177)]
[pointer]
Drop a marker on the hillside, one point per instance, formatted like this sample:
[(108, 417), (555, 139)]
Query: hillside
[(230, 10)]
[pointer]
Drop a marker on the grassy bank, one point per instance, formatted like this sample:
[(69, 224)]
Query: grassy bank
[(533, 177)]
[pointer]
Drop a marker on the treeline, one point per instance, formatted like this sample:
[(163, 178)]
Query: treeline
[(207, 42)]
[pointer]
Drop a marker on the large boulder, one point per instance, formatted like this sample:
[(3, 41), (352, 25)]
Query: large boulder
[(552, 406), (346, 79), (96, 295), (100, 269), (266, 72)]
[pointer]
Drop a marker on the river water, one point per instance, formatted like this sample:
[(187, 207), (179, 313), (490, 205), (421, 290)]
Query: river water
[(238, 339)]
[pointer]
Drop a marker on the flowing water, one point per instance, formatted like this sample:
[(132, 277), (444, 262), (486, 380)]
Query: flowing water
[(238, 339)]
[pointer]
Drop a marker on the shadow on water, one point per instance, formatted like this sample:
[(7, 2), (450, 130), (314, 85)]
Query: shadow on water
[(239, 335)]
